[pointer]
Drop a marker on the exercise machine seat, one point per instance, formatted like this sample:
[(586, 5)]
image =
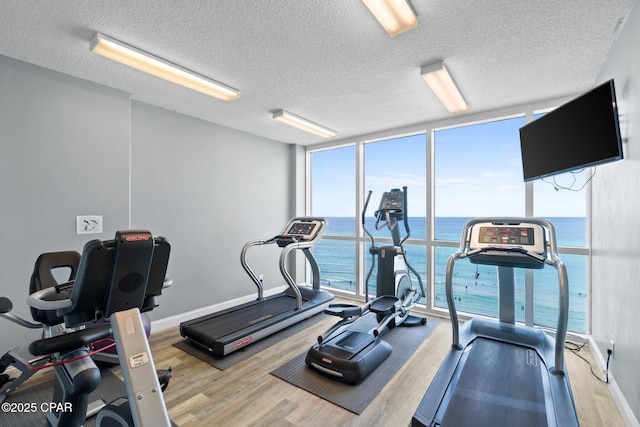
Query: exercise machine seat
[(43, 278)]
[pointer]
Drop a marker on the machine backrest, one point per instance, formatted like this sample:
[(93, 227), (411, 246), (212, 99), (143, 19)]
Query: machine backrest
[(43, 278), (157, 274), (116, 275)]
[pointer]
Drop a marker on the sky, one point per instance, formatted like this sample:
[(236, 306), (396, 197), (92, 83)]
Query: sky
[(478, 172)]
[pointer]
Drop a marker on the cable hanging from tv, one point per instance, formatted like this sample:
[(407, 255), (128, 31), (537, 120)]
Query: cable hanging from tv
[(558, 187)]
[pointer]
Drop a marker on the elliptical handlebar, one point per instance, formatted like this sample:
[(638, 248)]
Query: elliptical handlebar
[(406, 216), (364, 211), (373, 245)]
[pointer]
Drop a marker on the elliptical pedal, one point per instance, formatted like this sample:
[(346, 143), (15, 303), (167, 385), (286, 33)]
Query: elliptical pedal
[(384, 305), (345, 311)]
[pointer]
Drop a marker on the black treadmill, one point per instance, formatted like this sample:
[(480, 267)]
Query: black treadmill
[(499, 373), (234, 328)]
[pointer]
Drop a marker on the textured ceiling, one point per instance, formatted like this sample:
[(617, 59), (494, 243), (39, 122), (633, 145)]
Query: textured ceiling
[(326, 60)]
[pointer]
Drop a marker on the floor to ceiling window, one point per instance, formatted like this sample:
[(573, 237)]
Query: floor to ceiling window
[(563, 200), (394, 164), (452, 174), (333, 182), (566, 208), (477, 173)]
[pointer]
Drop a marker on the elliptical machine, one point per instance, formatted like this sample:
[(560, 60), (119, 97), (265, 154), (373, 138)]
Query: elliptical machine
[(348, 352), (393, 267)]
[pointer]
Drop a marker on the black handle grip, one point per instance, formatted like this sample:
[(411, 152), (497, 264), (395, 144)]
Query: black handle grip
[(366, 203)]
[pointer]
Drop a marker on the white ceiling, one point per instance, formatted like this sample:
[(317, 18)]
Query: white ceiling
[(326, 60)]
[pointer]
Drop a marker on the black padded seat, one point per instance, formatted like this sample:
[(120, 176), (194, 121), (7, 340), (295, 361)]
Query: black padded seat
[(43, 278)]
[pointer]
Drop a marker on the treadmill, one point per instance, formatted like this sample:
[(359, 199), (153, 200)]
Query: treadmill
[(232, 329), (500, 373)]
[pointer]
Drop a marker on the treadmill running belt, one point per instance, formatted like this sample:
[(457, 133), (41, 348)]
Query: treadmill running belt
[(214, 328), (500, 385)]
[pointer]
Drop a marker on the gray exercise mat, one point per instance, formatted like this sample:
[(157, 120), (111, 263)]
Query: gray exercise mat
[(356, 398)]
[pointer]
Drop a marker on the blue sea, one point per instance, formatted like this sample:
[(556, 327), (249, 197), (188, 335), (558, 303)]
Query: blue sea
[(475, 286)]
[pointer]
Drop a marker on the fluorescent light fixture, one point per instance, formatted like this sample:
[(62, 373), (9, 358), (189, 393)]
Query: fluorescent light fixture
[(304, 124), (395, 16), (143, 61), (439, 80)]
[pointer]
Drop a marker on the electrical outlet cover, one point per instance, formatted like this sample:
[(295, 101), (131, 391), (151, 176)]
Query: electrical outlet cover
[(88, 224)]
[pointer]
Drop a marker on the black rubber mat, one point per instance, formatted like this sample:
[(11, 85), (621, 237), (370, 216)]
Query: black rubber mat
[(110, 388), (356, 398), (225, 362)]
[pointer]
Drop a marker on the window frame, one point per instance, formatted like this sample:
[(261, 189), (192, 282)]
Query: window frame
[(428, 129)]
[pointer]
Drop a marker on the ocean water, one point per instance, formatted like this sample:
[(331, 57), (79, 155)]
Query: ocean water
[(475, 286)]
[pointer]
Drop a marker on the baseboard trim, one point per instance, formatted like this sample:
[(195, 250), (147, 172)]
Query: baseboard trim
[(627, 414)]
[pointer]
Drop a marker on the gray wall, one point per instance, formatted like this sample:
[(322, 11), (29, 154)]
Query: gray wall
[(69, 147), (64, 149), (209, 190), (615, 293)]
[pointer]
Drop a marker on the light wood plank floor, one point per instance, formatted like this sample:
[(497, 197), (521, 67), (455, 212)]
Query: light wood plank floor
[(247, 395)]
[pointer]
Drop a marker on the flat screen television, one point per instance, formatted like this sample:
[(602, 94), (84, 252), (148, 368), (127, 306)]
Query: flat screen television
[(583, 132)]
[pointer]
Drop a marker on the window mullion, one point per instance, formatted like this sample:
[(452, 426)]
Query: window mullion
[(358, 227)]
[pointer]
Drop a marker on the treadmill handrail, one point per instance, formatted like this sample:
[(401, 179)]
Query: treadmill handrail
[(304, 245), (552, 259), (243, 262), (287, 276)]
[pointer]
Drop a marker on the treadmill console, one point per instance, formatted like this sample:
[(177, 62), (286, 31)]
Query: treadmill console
[(507, 244), (303, 230)]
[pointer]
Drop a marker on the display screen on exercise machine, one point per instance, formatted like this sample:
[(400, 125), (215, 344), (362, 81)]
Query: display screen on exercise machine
[(507, 235), (493, 235), (392, 201), (305, 230)]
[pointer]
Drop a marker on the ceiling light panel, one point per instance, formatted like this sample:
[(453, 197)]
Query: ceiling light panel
[(304, 124), (158, 67), (395, 16), (441, 83)]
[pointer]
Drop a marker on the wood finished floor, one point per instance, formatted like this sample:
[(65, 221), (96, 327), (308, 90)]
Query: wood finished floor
[(247, 395)]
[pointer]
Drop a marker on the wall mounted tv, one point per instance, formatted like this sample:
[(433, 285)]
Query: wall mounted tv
[(581, 133)]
